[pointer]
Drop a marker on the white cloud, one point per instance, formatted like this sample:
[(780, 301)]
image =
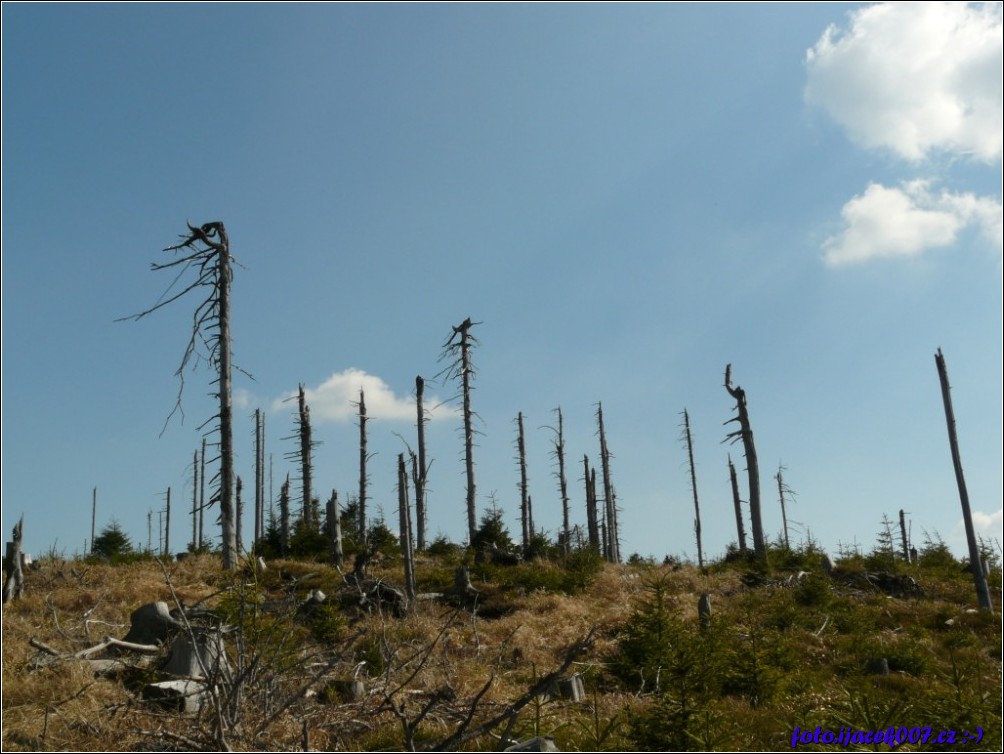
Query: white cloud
[(987, 525), (905, 221), (335, 399), (914, 78), (243, 399)]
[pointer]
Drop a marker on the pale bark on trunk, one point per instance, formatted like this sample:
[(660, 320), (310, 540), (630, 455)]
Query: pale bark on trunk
[(975, 561)]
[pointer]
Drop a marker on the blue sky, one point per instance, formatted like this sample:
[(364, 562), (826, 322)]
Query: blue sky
[(627, 197)]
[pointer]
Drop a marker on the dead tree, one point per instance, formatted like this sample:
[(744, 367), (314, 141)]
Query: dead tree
[(13, 587), (612, 550), (407, 549), (284, 517), (558, 453), (526, 513), (745, 433), (240, 514), (195, 502), (592, 517), (782, 490), (94, 514), (902, 535), (457, 349), (206, 249), (693, 486), (363, 458), (740, 529), (305, 453), (259, 476), (420, 469), (167, 524), (335, 551), (202, 495), (975, 561)]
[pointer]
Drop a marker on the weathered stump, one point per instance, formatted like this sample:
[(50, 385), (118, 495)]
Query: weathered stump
[(182, 696), (203, 658), (13, 587), (151, 623), (704, 611)]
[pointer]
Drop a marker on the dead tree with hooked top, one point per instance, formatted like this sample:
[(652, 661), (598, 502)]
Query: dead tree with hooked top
[(206, 251), (745, 433)]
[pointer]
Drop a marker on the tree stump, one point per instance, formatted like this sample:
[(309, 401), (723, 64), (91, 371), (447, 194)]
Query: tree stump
[(151, 623), (205, 658), (13, 587)]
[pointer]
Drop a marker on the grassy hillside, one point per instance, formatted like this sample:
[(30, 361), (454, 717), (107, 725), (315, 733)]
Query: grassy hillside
[(781, 652)]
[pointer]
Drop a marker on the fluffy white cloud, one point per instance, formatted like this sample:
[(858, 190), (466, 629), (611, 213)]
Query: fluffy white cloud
[(905, 221), (335, 399), (914, 77), (988, 525)]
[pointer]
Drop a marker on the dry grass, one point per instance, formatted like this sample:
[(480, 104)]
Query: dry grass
[(427, 670)]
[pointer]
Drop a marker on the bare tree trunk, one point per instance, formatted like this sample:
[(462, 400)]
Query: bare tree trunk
[(740, 529), (784, 512), (610, 504), (195, 502), (421, 472), (902, 535), (167, 525), (752, 468), (975, 561), (458, 350), (259, 477), (524, 498), (207, 250), (335, 531), (94, 514), (306, 471), (284, 517), (407, 550), (202, 497), (592, 519), (223, 279), (465, 351), (362, 469), (239, 536), (559, 453), (693, 487)]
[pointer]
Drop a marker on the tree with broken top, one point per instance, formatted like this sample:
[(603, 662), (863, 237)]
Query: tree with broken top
[(205, 250), (745, 433), (457, 351)]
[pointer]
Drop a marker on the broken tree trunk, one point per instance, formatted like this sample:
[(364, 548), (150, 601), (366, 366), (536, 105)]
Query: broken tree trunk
[(13, 587), (740, 529), (693, 487), (335, 551), (524, 505), (363, 536), (407, 551), (421, 471), (752, 468), (980, 581), (612, 550)]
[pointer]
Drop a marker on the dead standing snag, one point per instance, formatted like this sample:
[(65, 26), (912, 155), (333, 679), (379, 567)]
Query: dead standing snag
[(206, 250), (745, 433)]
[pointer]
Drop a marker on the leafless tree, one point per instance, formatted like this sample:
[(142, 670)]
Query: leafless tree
[(558, 453), (740, 529), (745, 433), (688, 438), (612, 550), (206, 250), (975, 561), (457, 352)]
